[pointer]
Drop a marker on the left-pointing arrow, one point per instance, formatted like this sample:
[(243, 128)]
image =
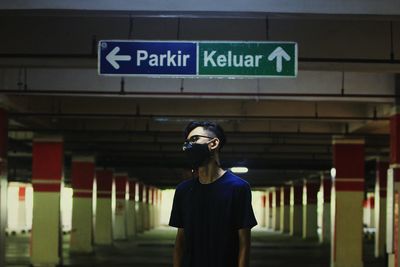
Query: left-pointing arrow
[(112, 57)]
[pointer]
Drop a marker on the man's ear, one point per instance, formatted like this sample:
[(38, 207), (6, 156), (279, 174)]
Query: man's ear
[(214, 144)]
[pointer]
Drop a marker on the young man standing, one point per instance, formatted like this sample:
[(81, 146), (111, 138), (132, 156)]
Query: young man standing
[(212, 211)]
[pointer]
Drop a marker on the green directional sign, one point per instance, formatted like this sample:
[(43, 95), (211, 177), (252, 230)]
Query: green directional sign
[(247, 59)]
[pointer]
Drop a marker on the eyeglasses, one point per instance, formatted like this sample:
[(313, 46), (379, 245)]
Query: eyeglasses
[(194, 138)]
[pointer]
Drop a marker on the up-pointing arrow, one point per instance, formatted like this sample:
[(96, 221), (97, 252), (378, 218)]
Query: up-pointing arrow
[(278, 54), (112, 57)]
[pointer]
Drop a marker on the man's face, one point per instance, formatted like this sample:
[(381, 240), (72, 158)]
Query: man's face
[(199, 136)]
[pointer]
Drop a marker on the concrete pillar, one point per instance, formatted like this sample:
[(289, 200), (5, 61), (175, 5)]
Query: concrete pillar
[(310, 218), (285, 209), (296, 209), (151, 206), (267, 210), (131, 210), (47, 172), (369, 211), (22, 225), (276, 208), (346, 203), (262, 221), (16, 210), (3, 181), (159, 206), (82, 178), (380, 207), (155, 207), (145, 203), (103, 234), (393, 189), (158, 209), (372, 210), (326, 188), (121, 187), (139, 208), (29, 205), (271, 213)]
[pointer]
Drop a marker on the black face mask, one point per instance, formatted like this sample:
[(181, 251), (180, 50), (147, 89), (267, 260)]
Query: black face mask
[(196, 154)]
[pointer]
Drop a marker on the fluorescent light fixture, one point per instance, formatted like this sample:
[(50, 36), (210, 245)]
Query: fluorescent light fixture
[(239, 169), (333, 173)]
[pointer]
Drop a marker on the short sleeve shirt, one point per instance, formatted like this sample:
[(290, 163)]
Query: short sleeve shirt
[(211, 215)]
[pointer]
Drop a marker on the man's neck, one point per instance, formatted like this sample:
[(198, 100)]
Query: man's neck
[(210, 172)]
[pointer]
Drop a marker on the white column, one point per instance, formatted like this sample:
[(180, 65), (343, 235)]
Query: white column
[(121, 188), (82, 176), (103, 234), (276, 208), (326, 187), (296, 209), (310, 220), (47, 174), (380, 207), (285, 209), (267, 209), (131, 211)]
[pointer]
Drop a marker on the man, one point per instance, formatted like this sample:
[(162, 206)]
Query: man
[(212, 211)]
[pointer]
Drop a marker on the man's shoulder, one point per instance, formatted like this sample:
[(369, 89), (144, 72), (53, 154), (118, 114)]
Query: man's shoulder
[(185, 185), (236, 181)]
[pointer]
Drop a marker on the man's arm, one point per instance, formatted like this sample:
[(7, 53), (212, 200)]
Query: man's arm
[(178, 249), (244, 247)]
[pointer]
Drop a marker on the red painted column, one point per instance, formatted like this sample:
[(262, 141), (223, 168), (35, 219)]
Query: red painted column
[(393, 191), (285, 209), (3, 181), (131, 210), (47, 172), (121, 183), (380, 207), (346, 202), (326, 188), (104, 207), (310, 218), (296, 208), (82, 178)]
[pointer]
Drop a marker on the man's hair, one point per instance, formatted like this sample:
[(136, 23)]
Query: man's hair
[(209, 126)]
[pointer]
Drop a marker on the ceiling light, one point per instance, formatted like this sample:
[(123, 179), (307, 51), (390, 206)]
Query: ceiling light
[(239, 169)]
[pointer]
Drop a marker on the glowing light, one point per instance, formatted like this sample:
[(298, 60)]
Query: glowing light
[(239, 169), (333, 173)]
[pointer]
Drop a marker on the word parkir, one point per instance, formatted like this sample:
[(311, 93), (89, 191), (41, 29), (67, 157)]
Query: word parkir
[(158, 60)]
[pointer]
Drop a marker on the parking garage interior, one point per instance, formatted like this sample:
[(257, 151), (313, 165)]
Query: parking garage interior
[(299, 137)]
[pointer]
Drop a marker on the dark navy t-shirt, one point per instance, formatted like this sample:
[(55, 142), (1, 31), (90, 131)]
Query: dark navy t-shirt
[(211, 215)]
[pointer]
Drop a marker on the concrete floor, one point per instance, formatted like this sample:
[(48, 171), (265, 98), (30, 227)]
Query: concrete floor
[(154, 249)]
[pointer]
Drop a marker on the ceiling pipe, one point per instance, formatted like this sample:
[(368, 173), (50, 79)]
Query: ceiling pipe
[(231, 143), (179, 133), (300, 59), (191, 94), (189, 116)]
